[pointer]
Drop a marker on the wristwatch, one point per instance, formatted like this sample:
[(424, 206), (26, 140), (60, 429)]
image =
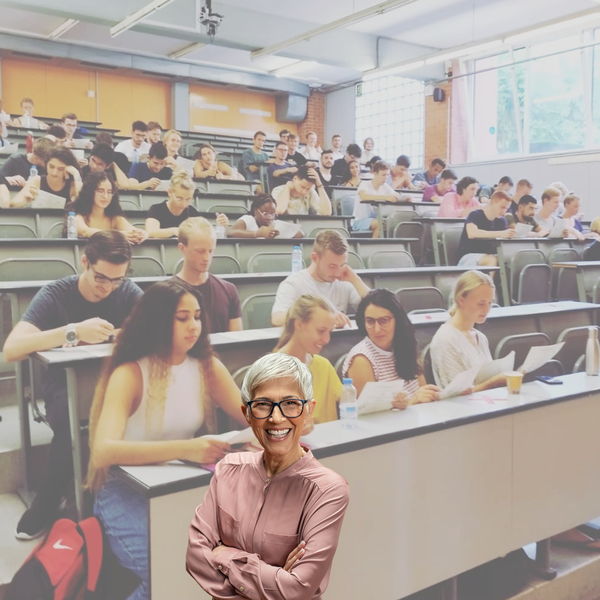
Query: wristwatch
[(71, 337)]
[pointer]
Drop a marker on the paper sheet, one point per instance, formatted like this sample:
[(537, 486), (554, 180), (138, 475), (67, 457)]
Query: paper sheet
[(463, 381), (522, 230), (286, 229), (163, 186), (538, 356), (377, 396), (491, 369), (46, 200), (185, 163), (82, 144), (78, 154), (8, 150), (559, 227)]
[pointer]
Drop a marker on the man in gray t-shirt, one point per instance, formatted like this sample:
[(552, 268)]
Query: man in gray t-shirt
[(327, 276)]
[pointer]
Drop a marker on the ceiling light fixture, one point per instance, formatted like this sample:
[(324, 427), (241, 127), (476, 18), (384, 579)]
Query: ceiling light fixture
[(462, 51), (63, 28), (299, 65), (187, 50), (138, 16)]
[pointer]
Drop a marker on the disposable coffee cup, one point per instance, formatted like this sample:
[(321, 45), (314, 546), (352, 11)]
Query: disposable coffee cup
[(514, 379)]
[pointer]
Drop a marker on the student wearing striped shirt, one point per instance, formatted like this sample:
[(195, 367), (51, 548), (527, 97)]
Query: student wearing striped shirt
[(388, 351)]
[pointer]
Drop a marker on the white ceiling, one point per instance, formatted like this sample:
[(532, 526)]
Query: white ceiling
[(417, 28)]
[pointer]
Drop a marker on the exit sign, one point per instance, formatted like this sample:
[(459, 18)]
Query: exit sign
[(358, 90)]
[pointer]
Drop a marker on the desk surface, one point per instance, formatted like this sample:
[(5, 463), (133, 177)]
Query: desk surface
[(577, 264), (330, 439)]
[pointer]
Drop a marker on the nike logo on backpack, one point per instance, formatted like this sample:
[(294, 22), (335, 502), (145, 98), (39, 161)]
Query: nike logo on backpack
[(59, 546)]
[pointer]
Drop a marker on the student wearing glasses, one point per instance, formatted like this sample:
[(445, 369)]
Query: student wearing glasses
[(88, 308), (97, 208), (388, 351)]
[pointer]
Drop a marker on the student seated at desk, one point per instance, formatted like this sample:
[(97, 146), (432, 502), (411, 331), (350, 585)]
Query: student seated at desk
[(354, 179), (63, 179), (457, 205), (388, 351), (525, 215), (400, 177), (260, 220), (86, 308), (298, 196), (307, 330), (17, 168), (505, 184), (207, 166), (547, 215), (97, 208), (592, 253), (432, 175), (457, 346), (481, 225), (160, 386), (172, 141), (328, 276), (148, 175), (435, 192), (197, 243), (365, 217), (572, 204), (102, 159)]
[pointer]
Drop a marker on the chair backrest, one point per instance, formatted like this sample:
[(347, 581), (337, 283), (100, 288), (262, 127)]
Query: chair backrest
[(564, 284), (535, 282), (579, 366), (228, 208), (346, 204), (16, 230), (575, 339), (520, 343), (341, 230), (427, 311), (427, 364), (220, 265), (146, 266), (56, 230), (518, 262), (239, 375), (450, 243), (384, 259), (412, 229), (420, 298), (355, 261), (563, 255), (396, 217), (33, 269), (269, 262), (256, 311), (339, 363), (129, 204)]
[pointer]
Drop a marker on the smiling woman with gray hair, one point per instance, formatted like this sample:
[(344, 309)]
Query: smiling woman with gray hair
[(269, 524)]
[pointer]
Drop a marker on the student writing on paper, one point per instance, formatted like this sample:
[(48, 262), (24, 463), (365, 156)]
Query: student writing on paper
[(97, 208), (161, 386), (148, 175), (547, 216), (63, 179), (307, 330), (457, 346), (388, 351), (260, 220)]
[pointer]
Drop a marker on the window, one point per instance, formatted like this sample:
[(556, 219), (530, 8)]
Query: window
[(391, 111)]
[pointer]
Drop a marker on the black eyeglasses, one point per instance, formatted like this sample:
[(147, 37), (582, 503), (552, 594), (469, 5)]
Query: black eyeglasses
[(103, 279), (290, 409)]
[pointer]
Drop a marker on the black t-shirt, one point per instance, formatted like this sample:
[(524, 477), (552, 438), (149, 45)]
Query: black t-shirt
[(296, 159), (221, 302), (141, 172), (19, 165), (479, 246), (325, 182), (166, 218), (340, 171), (122, 162), (60, 303), (593, 252)]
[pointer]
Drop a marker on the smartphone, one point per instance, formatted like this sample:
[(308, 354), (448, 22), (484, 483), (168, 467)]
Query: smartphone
[(549, 380)]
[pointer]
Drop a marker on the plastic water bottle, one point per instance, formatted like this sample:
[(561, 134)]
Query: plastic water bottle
[(297, 264), (592, 353), (71, 226), (219, 231), (33, 172), (348, 405)]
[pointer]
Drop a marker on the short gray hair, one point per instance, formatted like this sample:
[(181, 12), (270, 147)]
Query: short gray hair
[(277, 365)]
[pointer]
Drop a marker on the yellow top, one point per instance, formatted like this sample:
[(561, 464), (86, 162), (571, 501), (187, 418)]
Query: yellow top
[(327, 388)]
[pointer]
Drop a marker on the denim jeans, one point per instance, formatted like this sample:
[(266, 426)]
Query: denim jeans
[(125, 517)]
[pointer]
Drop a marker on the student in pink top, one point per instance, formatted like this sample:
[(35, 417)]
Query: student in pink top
[(269, 524), (460, 203)]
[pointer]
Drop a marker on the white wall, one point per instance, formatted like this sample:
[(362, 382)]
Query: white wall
[(579, 172), (340, 116)]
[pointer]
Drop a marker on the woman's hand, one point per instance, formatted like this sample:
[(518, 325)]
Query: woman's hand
[(222, 219), (206, 450), (294, 556), (401, 401), (426, 393), (267, 232), (31, 194), (136, 236)]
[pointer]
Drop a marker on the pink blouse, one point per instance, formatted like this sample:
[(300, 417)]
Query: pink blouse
[(452, 207), (263, 520)]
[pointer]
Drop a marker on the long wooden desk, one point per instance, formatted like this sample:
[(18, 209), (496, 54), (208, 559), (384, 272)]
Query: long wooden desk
[(481, 475), (587, 274), (240, 348)]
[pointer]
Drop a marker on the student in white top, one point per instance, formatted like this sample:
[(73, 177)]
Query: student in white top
[(328, 275), (365, 217), (4, 120), (172, 141), (137, 146), (27, 119), (336, 145), (311, 151), (368, 152), (260, 220), (388, 351), (547, 215), (457, 346), (161, 386)]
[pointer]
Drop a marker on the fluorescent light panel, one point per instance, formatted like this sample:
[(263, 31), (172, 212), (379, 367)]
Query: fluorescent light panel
[(63, 28), (187, 50), (376, 74), (137, 16), (465, 51), (294, 68)]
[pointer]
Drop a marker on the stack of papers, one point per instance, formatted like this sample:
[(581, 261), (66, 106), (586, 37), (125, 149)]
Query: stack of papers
[(82, 144), (559, 227), (163, 186)]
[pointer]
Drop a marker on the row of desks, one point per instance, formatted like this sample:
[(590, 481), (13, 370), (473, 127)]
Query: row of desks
[(239, 349), (437, 489)]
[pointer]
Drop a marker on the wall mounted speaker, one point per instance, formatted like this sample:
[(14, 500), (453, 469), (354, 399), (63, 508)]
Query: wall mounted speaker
[(439, 95)]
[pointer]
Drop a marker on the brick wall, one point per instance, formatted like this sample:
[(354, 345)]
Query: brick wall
[(436, 126), (315, 119)]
